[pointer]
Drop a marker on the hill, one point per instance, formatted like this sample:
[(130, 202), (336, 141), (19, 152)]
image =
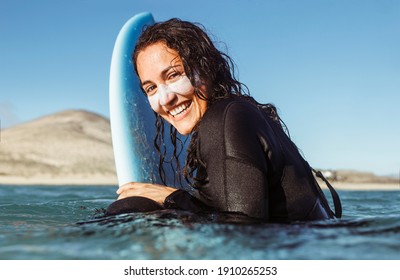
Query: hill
[(70, 147), (74, 147)]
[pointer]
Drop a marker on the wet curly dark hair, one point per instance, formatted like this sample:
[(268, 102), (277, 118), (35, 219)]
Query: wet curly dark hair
[(205, 65)]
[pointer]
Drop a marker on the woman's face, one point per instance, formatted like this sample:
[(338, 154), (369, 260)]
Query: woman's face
[(170, 92)]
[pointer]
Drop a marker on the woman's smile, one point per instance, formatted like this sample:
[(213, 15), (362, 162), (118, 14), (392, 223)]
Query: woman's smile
[(179, 110)]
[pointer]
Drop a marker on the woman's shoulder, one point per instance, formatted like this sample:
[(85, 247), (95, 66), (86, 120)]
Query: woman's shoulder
[(231, 116), (232, 107)]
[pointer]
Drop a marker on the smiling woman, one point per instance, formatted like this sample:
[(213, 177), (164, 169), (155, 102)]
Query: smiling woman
[(240, 161)]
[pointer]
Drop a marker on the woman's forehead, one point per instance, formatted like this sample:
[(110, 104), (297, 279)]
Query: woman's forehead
[(155, 58)]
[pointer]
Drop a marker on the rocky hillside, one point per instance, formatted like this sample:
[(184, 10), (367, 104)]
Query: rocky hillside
[(71, 144)]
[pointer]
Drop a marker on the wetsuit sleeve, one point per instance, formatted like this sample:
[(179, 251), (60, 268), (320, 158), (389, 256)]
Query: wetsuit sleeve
[(234, 160), (182, 200)]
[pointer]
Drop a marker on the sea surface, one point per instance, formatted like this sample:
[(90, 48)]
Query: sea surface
[(67, 222)]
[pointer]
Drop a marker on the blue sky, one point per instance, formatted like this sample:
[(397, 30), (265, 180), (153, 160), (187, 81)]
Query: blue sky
[(332, 67)]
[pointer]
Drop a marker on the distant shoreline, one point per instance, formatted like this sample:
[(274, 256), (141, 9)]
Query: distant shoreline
[(364, 186), (98, 180), (89, 180)]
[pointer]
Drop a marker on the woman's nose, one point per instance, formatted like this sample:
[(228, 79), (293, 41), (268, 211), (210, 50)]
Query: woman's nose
[(166, 95)]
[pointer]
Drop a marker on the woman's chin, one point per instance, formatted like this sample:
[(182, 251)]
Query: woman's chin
[(183, 131)]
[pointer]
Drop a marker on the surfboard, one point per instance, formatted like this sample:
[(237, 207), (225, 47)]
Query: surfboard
[(132, 120)]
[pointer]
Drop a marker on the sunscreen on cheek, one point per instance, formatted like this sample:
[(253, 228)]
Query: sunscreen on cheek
[(166, 93), (183, 86), (154, 102)]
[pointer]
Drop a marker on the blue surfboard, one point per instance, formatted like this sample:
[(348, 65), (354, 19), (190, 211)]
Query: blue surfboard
[(132, 120)]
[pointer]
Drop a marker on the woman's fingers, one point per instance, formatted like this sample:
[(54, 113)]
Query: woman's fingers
[(152, 191), (128, 186)]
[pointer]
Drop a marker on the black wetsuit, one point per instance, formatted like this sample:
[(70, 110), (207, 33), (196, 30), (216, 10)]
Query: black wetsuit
[(250, 168)]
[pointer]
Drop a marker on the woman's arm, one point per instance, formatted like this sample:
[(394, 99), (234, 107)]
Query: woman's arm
[(144, 197), (139, 197)]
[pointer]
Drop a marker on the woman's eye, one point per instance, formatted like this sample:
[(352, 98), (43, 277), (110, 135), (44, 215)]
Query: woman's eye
[(150, 89), (173, 76)]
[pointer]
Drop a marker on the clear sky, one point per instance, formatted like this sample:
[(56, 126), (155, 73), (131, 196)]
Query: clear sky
[(332, 67)]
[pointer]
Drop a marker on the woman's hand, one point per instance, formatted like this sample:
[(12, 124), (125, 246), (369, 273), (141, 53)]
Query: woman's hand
[(155, 192)]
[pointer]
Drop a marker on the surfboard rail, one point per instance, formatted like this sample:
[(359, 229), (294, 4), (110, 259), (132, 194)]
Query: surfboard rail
[(131, 118)]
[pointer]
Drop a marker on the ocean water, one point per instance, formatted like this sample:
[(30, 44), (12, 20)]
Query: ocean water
[(66, 222)]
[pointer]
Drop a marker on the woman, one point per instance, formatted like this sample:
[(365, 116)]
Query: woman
[(240, 160)]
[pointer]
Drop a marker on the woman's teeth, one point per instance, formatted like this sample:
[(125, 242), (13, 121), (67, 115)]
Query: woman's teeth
[(179, 109)]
